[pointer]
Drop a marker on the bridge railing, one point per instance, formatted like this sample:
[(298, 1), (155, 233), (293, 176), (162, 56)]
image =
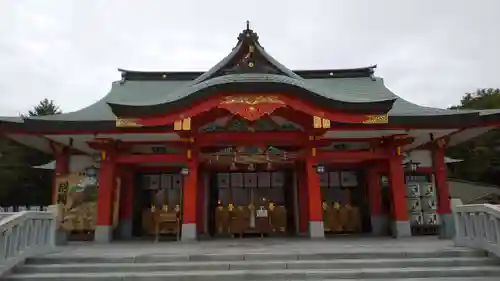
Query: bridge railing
[(25, 234), (478, 227)]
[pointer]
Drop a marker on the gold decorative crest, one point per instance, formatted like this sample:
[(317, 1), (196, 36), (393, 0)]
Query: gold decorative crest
[(182, 125), (127, 122), (377, 119), (251, 100), (321, 123)]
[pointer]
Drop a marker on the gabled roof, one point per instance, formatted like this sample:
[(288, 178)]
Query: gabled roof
[(248, 68)]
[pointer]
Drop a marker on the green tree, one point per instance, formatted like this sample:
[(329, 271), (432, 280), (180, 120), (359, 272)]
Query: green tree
[(45, 107), (481, 155)]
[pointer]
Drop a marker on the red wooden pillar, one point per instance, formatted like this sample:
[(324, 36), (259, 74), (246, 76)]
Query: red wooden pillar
[(189, 202), (316, 229), (400, 224), (303, 199), (443, 193), (107, 181), (127, 174), (378, 219)]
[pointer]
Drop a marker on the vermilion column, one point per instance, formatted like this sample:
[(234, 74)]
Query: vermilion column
[(316, 229), (400, 224), (107, 180), (303, 200), (447, 228), (378, 219), (189, 202), (127, 201)]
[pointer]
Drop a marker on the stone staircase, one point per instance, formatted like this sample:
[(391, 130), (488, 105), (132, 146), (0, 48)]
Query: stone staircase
[(455, 264)]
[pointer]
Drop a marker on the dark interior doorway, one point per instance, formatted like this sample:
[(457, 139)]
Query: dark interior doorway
[(225, 189)]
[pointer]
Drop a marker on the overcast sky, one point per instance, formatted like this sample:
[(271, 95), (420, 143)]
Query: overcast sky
[(429, 52)]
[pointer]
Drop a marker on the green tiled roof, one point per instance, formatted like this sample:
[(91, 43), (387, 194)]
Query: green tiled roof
[(361, 89)]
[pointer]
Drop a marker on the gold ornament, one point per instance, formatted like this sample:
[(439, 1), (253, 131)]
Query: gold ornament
[(271, 206), (377, 119), (336, 205), (324, 205)]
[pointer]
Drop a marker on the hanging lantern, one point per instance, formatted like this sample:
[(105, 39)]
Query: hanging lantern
[(185, 171), (92, 171), (320, 169), (411, 166)]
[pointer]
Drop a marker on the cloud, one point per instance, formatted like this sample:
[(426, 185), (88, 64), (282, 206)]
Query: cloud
[(430, 52)]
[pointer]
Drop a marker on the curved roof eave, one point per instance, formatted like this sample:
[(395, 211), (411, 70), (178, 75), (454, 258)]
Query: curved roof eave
[(11, 119), (187, 95), (97, 111), (490, 116), (456, 120)]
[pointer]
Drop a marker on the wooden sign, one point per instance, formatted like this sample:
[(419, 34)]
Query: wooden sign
[(77, 200)]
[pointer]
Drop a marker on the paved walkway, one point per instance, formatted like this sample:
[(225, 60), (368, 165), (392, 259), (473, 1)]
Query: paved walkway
[(239, 246)]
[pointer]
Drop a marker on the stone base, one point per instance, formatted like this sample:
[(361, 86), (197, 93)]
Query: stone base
[(188, 232), (316, 229), (103, 234), (61, 237), (125, 229), (447, 226), (380, 225), (400, 229)]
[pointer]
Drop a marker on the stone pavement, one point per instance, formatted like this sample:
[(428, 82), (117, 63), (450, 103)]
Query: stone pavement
[(257, 245)]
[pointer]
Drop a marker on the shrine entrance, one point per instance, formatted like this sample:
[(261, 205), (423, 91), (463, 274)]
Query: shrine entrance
[(345, 202), (252, 203), (252, 193), (157, 194)]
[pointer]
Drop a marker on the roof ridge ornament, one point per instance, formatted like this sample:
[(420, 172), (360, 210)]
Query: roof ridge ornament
[(248, 35)]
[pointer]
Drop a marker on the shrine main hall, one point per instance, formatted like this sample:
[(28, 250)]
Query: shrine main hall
[(250, 148)]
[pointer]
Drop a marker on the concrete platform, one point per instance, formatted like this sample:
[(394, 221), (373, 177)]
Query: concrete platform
[(264, 260), (256, 245)]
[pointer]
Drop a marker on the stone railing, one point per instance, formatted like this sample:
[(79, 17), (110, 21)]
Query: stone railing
[(25, 234), (478, 227)]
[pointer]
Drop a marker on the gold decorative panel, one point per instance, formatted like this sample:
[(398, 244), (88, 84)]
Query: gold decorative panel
[(377, 119), (127, 122)]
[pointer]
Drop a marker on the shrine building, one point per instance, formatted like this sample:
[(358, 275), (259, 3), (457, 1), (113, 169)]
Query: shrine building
[(251, 147)]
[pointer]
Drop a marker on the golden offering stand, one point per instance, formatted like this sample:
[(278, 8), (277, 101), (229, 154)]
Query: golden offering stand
[(157, 221), (238, 220), (341, 219)]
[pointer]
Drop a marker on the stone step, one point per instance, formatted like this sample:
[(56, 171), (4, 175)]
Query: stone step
[(255, 265), (288, 274), (61, 259)]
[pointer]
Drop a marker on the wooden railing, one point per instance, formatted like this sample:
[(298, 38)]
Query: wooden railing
[(478, 227), (25, 234)]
